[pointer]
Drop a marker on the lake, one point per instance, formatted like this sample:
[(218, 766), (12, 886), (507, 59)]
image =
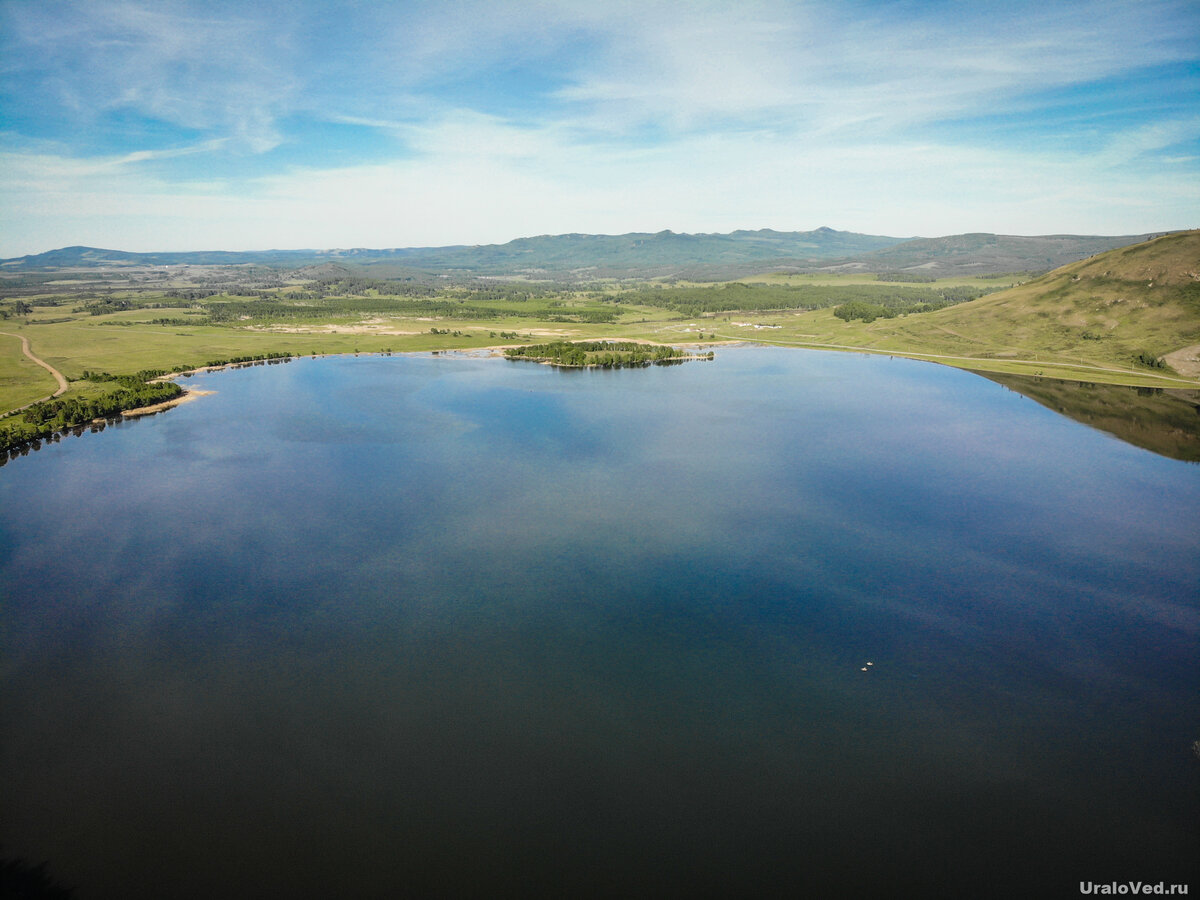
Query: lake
[(453, 625)]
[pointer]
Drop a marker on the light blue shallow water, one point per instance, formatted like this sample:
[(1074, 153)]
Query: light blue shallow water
[(350, 627)]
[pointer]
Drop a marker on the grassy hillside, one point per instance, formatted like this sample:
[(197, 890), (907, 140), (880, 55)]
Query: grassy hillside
[(1110, 308), (1103, 316)]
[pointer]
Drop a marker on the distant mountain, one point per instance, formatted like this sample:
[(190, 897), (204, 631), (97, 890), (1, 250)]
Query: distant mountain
[(659, 253), (973, 254), (663, 254), (563, 253), (94, 257)]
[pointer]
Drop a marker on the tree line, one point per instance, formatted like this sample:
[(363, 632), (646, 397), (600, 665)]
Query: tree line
[(48, 417)]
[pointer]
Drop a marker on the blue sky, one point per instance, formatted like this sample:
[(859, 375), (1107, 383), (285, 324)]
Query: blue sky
[(179, 125)]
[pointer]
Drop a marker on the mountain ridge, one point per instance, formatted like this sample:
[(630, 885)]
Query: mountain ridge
[(704, 255)]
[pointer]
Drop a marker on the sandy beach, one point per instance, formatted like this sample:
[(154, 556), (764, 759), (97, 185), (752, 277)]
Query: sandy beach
[(185, 397)]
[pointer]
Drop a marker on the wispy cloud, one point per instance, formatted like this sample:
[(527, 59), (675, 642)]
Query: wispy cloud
[(1135, 144), (26, 171), (189, 66), (465, 194), (823, 69)]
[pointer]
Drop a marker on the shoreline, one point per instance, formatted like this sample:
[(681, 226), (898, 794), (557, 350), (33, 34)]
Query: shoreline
[(1060, 371), (1180, 387), (186, 397)]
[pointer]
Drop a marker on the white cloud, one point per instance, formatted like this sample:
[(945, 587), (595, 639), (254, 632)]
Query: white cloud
[(1131, 145), (461, 192), (822, 67), (237, 70)]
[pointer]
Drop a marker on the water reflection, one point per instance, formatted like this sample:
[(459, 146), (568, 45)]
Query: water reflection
[(1162, 420)]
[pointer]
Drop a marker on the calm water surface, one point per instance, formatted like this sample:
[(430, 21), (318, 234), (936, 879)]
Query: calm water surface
[(430, 625)]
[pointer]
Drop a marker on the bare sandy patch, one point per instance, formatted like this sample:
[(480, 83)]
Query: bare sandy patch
[(185, 397), (370, 327), (1185, 361)]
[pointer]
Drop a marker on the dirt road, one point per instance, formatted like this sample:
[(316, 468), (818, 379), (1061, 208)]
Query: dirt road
[(58, 376)]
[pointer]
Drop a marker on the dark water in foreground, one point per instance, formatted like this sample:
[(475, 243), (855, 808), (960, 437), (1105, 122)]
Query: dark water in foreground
[(463, 626)]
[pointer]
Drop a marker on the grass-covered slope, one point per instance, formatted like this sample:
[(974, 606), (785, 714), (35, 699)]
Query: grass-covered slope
[(1135, 303)]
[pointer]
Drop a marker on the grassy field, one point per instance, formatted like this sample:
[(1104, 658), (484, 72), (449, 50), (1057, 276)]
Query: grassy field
[(21, 380)]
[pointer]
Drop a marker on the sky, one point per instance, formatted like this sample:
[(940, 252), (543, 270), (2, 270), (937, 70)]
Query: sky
[(159, 126)]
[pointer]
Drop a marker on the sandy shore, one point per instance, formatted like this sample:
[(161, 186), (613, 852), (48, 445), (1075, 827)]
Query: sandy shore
[(185, 397)]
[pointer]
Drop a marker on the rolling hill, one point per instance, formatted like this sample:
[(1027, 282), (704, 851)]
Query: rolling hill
[(1142, 300)]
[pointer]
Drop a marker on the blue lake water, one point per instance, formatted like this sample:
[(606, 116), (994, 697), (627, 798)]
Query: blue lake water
[(462, 626)]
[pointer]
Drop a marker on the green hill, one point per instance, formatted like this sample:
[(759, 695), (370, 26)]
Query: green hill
[(1126, 307)]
